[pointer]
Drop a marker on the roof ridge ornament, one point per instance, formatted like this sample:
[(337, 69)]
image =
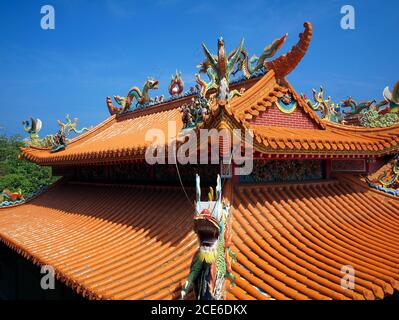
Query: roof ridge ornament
[(219, 68), (249, 66), (56, 141), (371, 114), (142, 97), (212, 263), (176, 85), (326, 107), (287, 62)]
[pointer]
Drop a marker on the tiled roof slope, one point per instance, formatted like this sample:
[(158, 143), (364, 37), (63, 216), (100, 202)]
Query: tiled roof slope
[(115, 140), (291, 240), (107, 241)]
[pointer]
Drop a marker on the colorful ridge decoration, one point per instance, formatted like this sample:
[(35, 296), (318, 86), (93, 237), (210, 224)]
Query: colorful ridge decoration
[(8, 198), (193, 112), (142, 97), (56, 142), (176, 85), (219, 68), (326, 108), (370, 113), (286, 103), (387, 178), (212, 263)]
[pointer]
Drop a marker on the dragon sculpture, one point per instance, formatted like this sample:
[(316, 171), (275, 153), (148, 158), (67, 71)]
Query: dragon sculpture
[(219, 68), (328, 110), (386, 179), (7, 195), (69, 127), (57, 141), (141, 96), (390, 98), (378, 117), (249, 66), (212, 263), (176, 85), (356, 108)]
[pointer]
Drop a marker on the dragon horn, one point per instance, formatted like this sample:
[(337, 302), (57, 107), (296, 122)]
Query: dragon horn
[(218, 188), (198, 187)]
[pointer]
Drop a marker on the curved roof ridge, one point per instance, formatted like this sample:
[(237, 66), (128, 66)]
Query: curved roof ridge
[(287, 62)]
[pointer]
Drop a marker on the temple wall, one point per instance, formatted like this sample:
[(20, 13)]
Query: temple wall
[(275, 118)]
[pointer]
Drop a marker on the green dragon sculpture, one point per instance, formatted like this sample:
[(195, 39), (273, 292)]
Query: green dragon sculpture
[(212, 263), (249, 66), (328, 110), (378, 117), (388, 179), (69, 127), (141, 96), (56, 141), (219, 68), (356, 108)]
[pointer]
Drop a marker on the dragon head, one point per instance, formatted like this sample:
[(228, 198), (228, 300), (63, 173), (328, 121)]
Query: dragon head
[(151, 84), (209, 222)]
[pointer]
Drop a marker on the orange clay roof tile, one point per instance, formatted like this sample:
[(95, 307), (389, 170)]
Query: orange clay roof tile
[(306, 233)]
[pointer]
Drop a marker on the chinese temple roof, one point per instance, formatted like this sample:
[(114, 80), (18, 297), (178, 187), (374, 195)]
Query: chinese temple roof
[(121, 138), (118, 242), (300, 131)]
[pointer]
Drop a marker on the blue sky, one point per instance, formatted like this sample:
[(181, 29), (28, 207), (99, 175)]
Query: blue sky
[(103, 47)]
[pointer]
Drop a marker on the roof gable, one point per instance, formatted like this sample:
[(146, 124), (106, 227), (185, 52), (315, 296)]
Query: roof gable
[(273, 103)]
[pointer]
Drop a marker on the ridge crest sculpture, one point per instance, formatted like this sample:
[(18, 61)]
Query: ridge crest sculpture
[(219, 68), (142, 97), (387, 178), (176, 85), (57, 141)]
